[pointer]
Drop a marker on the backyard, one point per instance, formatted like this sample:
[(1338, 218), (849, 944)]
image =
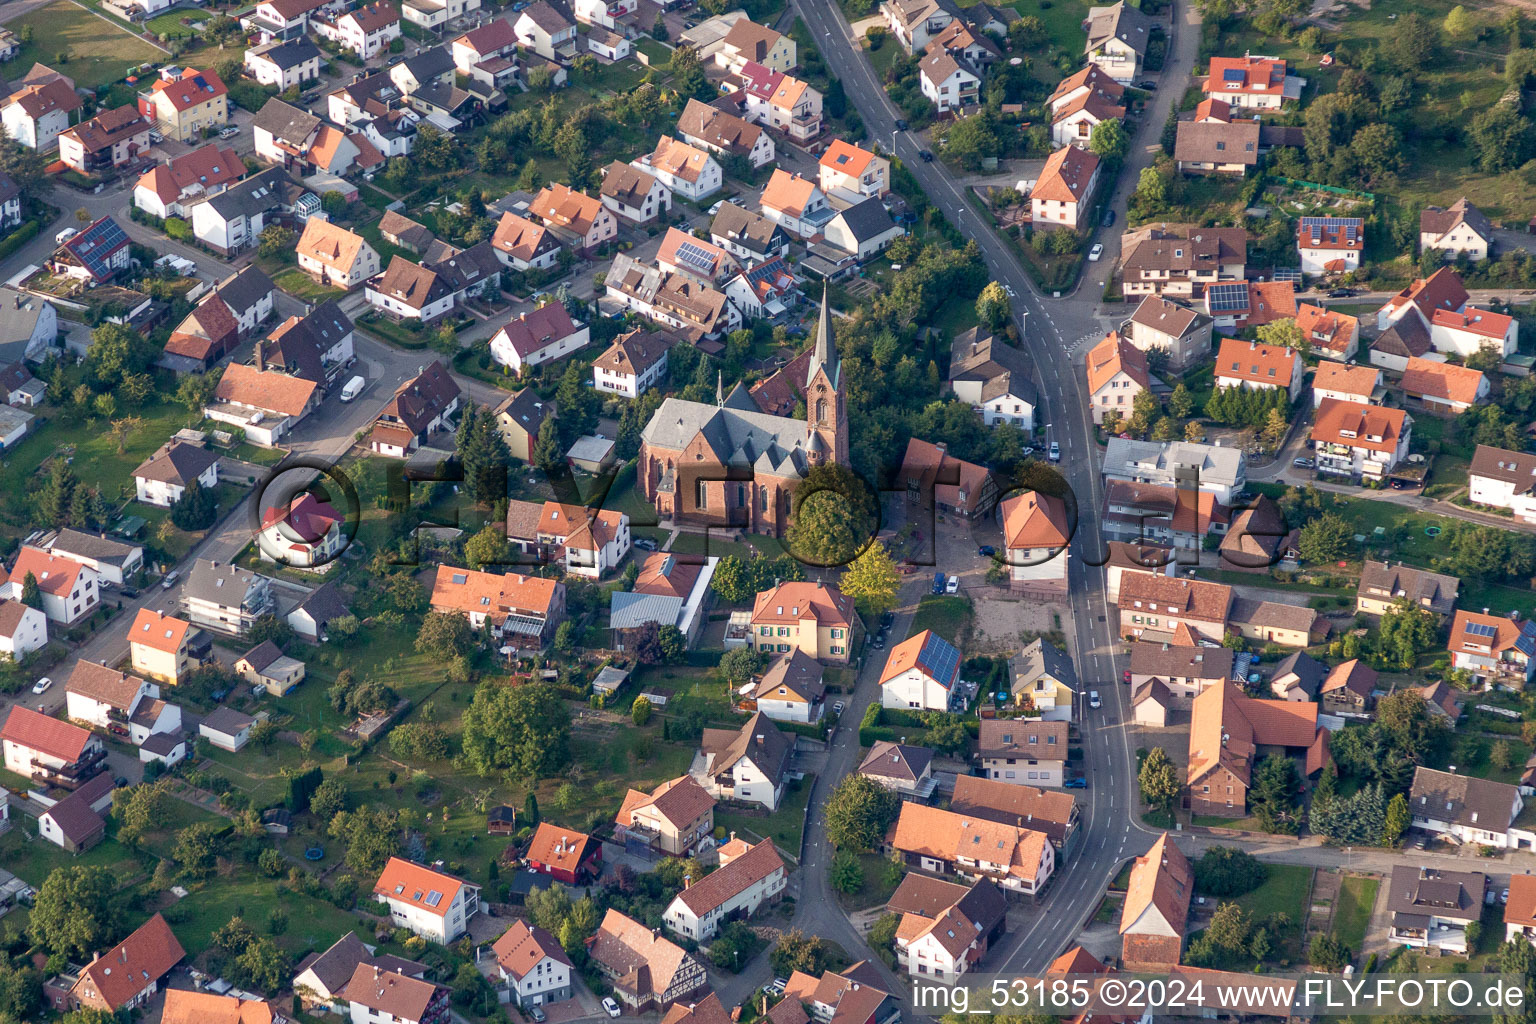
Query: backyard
[(1352, 910), (946, 615), (81, 44)]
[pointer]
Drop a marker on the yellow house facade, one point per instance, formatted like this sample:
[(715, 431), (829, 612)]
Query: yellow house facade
[(157, 646), (813, 618)]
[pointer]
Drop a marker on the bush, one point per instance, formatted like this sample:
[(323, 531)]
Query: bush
[(1229, 871)]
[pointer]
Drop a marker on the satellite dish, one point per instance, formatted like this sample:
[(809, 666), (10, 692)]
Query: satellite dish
[(1415, 458), (1015, 61)]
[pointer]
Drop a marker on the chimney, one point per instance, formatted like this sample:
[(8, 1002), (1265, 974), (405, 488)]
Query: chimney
[(261, 359), (733, 836), (687, 881)]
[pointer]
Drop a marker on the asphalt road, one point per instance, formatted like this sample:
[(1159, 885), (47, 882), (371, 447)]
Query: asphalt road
[(1055, 331)]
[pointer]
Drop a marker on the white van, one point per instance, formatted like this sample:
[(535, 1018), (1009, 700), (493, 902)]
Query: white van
[(65, 235), (353, 388)]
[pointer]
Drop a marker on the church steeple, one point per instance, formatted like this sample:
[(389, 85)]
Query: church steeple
[(826, 410), (719, 389)]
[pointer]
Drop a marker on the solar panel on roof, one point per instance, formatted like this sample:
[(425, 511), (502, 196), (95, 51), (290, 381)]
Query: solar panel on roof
[(940, 658), (1224, 298), (1481, 629), (433, 898), (695, 256), (1233, 75)]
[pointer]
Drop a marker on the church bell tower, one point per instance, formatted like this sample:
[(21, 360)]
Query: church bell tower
[(826, 410)]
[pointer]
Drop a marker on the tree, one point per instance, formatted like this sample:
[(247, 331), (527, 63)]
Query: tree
[(371, 835), (1158, 779), (739, 665), (74, 914), (1230, 929), (1501, 756), (531, 808), (1194, 432), (1325, 539), (733, 581), (1398, 820), (688, 77), (1144, 407), (1164, 429), (797, 951), (1378, 148), (329, 799), (1459, 24), (872, 580), (198, 847), (834, 516), (674, 646), (275, 241), (640, 710), (1327, 952), (31, 594), (522, 732), (138, 809), (993, 307), (445, 635), (1407, 631), (859, 812), (196, 509), (488, 547), (547, 453), (1283, 334), (847, 872), (1501, 137), (1229, 871), (483, 453), (21, 993), (1275, 428), (1273, 795), (1109, 140), (1151, 195), (263, 733), (1181, 403), (117, 352)]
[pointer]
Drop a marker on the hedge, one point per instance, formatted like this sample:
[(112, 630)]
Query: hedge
[(20, 237)]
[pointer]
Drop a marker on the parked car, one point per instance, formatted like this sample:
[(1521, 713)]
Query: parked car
[(1055, 452), (1303, 463), (986, 551), (611, 1007), (1148, 85), (1107, 219), (887, 620), (837, 708), (901, 124), (229, 132), (645, 543), (41, 686), (1077, 783), (1504, 896), (927, 157), (716, 208), (1125, 677), (1341, 293), (953, 586), (65, 235), (938, 583), (1093, 699), (1095, 253), (170, 579)]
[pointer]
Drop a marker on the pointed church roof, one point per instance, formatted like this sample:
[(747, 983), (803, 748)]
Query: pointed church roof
[(740, 398), (826, 349)]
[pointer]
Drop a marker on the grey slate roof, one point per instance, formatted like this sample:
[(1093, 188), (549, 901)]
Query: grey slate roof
[(257, 194), (867, 220), (1122, 22), (290, 54), (899, 761), (219, 583), (1431, 892), (227, 720), (324, 604), (1384, 581), (1309, 672), (1002, 369), (243, 291), (1462, 800), (286, 122), (1164, 660), (1407, 337), (93, 545), (771, 445), (176, 463), (262, 655), (430, 63), (1154, 462), (17, 325)]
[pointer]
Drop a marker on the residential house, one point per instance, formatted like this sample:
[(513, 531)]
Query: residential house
[(226, 729), (905, 769), (280, 19), (1461, 229), (750, 764), (1023, 751), (915, 23), (1018, 860), (95, 256), (1431, 908), (268, 668), (69, 590), (1520, 909), (694, 310), (116, 562), (335, 256), (1083, 101), (849, 168), (748, 877), (582, 222), (374, 994), (1468, 809), (1298, 677), (1442, 291), (1156, 908), (1186, 670), (1469, 330), (302, 533), (669, 592), (646, 970), (410, 291), (545, 334), (1443, 388), (50, 751), (519, 418), (1216, 147), (633, 193), (1251, 82), (1257, 537), (1359, 441), (284, 64), (399, 230), (673, 818), (316, 347), (425, 901), (1117, 373), (1255, 367), (225, 598), (790, 689), (108, 140), (546, 31), (188, 1007), (159, 646), (523, 245), (704, 262), (1064, 189), (920, 673), (1331, 334), (945, 928), (796, 204), (23, 629), (609, 14), (1330, 245), (1117, 40), (1044, 680), (231, 313), (234, 219), (725, 134), (584, 541), (119, 703), (1493, 648), (263, 403), (812, 617), (1052, 811), (747, 236), (1349, 690), (315, 612), (1181, 260), (10, 202), (19, 388), (1180, 517), (854, 996), (1161, 604), (776, 100), (1036, 538), (864, 229), (935, 479), (534, 968), (37, 113), (749, 42), (1500, 478), (166, 190), (1444, 702), (1346, 383), (320, 978), (141, 960), (564, 854), (1228, 728), (993, 377), (184, 105), (74, 822), (365, 31), (948, 82), (514, 607), (1181, 333), (767, 291), (1402, 340)]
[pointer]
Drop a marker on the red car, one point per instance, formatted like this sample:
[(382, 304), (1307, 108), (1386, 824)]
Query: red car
[(1125, 677)]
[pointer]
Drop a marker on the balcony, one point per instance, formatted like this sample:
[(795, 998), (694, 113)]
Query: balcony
[(71, 776)]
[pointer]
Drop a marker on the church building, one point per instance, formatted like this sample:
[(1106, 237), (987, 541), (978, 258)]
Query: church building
[(732, 465)]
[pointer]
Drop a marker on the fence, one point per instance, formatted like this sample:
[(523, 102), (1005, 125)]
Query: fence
[(1313, 186)]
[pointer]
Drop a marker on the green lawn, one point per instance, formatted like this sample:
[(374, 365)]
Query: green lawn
[(300, 285), (784, 826), (1352, 911), (1281, 892), (946, 615), (170, 24), (32, 859), (96, 51), (874, 892)]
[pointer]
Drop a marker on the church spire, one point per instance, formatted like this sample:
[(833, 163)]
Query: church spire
[(826, 351)]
